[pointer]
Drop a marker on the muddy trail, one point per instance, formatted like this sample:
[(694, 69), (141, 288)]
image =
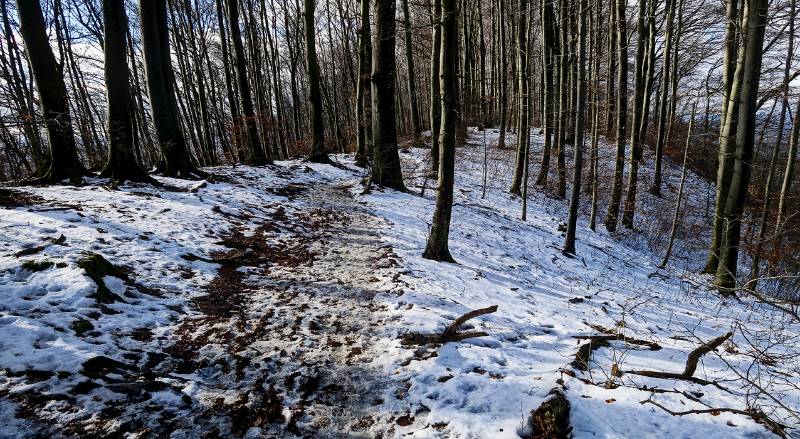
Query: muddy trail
[(281, 343), (290, 325)]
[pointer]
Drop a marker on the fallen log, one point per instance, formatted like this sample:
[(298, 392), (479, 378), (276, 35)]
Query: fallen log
[(450, 334)]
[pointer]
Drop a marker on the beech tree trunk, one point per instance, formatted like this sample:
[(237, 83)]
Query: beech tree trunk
[(62, 160), (412, 86), (640, 78), (317, 153), (437, 247), (621, 41), (175, 158), (655, 189), (121, 164), (580, 104), (363, 100), (523, 134), (436, 96), (728, 120), (255, 152), (386, 169), (755, 18)]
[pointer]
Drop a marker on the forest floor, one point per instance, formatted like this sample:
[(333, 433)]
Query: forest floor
[(272, 303)]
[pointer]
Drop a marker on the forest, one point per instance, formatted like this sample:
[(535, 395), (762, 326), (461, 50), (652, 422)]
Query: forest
[(399, 218)]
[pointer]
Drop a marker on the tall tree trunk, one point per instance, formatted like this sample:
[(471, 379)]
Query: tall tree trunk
[(412, 87), (386, 169), (175, 158), (501, 141), (640, 84), (621, 41), (730, 105), (563, 100), (580, 104), (62, 161), (121, 164), (677, 212), (788, 174), (363, 101), (436, 96), (655, 189), (549, 57), (755, 18), (437, 246), (765, 205), (317, 153), (523, 133), (255, 152)]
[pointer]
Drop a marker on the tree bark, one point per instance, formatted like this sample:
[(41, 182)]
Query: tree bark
[(436, 95), (655, 189), (437, 246), (363, 101), (62, 160), (523, 132), (121, 164), (622, 114), (175, 158), (317, 153), (580, 104), (755, 18), (412, 87), (728, 120), (386, 169)]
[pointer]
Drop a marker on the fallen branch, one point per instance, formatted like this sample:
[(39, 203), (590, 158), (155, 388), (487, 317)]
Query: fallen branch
[(450, 334), (756, 415), (691, 363), (584, 354)]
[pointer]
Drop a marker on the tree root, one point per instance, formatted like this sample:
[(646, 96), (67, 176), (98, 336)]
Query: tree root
[(450, 334)]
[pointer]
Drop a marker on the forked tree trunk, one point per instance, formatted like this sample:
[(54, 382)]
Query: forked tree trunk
[(750, 63), (437, 247), (386, 169), (728, 120), (62, 160)]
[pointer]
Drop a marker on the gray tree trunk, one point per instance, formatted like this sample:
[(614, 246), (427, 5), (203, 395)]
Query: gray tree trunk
[(580, 104), (755, 18), (437, 247), (386, 169)]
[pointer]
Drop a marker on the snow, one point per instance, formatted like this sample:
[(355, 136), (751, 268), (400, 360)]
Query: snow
[(322, 330)]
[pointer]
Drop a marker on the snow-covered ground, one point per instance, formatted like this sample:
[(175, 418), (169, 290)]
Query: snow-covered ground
[(272, 304)]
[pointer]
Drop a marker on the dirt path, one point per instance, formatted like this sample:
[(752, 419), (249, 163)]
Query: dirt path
[(290, 325)]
